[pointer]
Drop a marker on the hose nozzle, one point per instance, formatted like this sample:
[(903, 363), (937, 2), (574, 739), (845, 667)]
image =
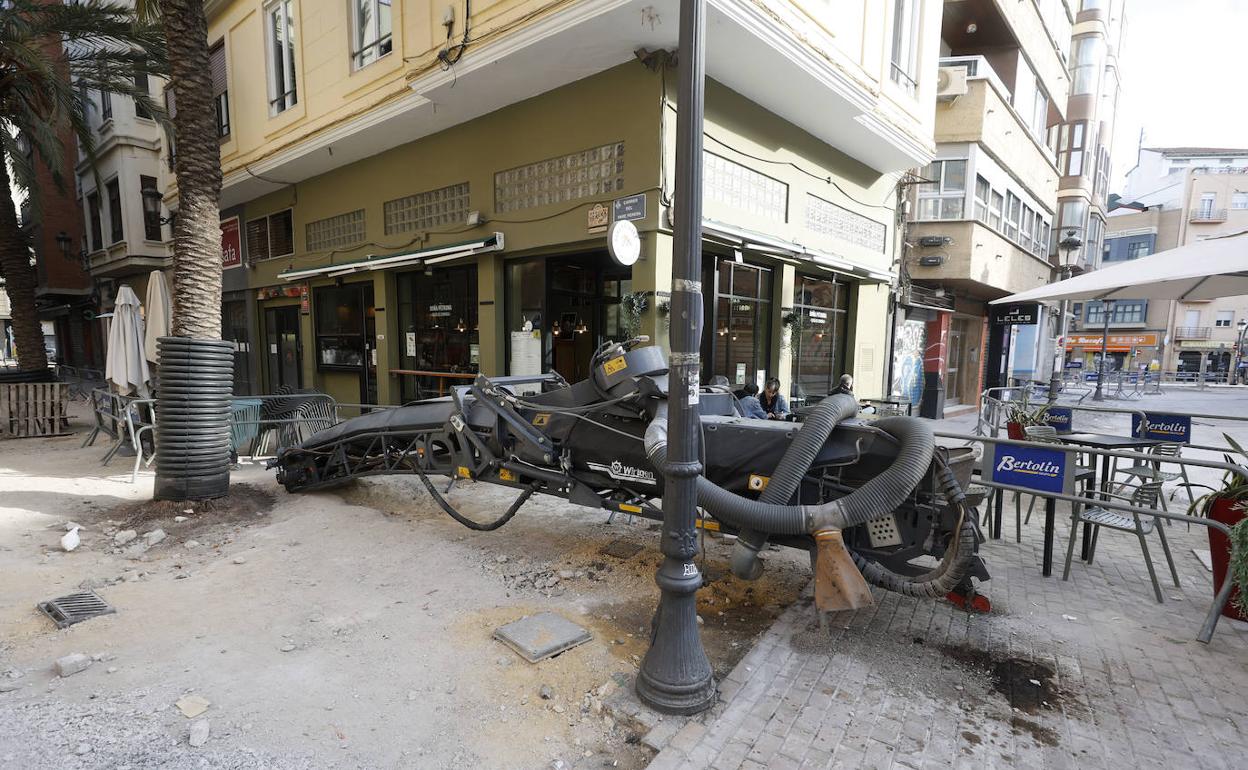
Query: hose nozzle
[(838, 583)]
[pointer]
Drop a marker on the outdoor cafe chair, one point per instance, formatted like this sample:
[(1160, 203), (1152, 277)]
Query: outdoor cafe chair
[(1146, 495), (1151, 471)]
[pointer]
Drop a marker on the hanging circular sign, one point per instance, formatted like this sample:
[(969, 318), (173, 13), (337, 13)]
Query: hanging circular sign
[(624, 242)]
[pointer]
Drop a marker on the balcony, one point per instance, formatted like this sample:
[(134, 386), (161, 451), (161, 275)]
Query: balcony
[(1208, 215), (1192, 333), (116, 261)]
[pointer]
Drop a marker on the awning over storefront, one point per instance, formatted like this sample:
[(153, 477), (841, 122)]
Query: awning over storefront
[(766, 244), (430, 256)]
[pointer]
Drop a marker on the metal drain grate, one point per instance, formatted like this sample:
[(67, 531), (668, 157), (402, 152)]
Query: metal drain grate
[(75, 608)]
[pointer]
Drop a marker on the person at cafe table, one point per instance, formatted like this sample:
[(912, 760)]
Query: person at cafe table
[(772, 400)]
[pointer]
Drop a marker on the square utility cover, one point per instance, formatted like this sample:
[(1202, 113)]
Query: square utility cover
[(540, 636)]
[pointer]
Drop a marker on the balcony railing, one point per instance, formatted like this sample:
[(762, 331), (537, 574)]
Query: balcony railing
[(1208, 215), (1192, 333)]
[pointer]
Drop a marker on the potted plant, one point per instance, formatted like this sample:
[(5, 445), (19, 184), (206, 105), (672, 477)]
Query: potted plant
[(1227, 505), (1021, 414)]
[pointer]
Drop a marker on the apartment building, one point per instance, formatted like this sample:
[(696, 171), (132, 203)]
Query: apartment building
[(982, 213), (413, 193), (1175, 196)]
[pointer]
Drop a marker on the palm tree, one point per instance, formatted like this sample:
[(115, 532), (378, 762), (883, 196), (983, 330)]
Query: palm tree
[(51, 54)]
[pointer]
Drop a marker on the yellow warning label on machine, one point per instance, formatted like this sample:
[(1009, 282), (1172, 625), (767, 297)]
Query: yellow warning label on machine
[(541, 419), (627, 508), (710, 525), (758, 483), (617, 364), (463, 472), (506, 475)]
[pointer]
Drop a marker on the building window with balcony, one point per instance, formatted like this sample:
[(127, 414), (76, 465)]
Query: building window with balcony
[(279, 21), (106, 105), (943, 194), (271, 236), (982, 193), (151, 219), (1125, 312), (1085, 64), (995, 206), (1239, 200), (1207, 203), (371, 23), (1225, 318), (141, 87), (1013, 212), (905, 44), (97, 227), (116, 231), (220, 89)]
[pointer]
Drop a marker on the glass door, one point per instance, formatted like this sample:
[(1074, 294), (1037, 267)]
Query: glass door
[(284, 348), (953, 365)]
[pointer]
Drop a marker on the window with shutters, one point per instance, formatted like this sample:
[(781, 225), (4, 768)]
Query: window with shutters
[(106, 105), (220, 89), (141, 87), (271, 236), (280, 41), (371, 22)]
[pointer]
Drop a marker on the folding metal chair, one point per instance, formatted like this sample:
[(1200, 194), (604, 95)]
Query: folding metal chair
[(1151, 471), (1144, 496)]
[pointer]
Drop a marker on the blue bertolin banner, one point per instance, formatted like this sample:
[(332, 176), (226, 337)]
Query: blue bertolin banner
[(1175, 428), (1060, 417), (1038, 468)]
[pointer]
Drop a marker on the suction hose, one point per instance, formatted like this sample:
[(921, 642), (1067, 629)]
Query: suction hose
[(787, 477), (882, 494)]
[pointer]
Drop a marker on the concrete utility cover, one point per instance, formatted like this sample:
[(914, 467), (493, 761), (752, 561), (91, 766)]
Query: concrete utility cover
[(540, 636)]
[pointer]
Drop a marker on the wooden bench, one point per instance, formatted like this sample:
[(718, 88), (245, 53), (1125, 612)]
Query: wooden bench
[(33, 409)]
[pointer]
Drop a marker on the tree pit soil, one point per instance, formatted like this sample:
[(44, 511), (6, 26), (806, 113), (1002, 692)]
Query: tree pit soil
[(243, 505)]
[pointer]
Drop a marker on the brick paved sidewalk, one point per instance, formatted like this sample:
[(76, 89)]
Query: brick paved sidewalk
[(1087, 673)]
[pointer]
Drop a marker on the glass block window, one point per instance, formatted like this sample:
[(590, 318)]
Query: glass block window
[(584, 174), (335, 232), (744, 188), (827, 218), (427, 210)]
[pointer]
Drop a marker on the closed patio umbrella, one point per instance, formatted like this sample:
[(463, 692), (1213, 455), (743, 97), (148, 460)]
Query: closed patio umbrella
[(158, 315), (1217, 267), (126, 365)]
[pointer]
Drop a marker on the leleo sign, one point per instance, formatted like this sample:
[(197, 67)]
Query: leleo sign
[(231, 243)]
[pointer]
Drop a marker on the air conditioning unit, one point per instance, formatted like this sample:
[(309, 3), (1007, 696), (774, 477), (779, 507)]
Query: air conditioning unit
[(950, 83), (934, 241), (932, 260)]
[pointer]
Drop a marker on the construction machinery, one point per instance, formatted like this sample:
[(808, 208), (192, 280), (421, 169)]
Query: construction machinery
[(873, 499)]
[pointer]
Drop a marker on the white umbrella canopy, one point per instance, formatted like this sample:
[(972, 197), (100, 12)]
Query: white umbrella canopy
[(1208, 269), (158, 315), (126, 364)]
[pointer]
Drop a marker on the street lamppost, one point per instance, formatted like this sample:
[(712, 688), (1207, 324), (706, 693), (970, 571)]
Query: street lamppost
[(1107, 306), (1066, 249), (675, 675), (1239, 350)]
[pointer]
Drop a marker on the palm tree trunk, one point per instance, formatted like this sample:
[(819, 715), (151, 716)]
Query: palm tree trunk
[(197, 232), (20, 281)]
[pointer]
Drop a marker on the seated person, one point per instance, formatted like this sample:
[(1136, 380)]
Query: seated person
[(772, 401), (749, 402)]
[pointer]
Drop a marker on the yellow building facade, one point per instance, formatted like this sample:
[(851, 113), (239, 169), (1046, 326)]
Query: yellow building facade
[(409, 200)]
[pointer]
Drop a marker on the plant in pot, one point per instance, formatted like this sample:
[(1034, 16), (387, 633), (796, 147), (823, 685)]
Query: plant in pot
[(1022, 414), (1228, 504)]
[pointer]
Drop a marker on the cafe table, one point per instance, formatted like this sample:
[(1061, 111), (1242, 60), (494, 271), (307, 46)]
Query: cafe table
[(1109, 442)]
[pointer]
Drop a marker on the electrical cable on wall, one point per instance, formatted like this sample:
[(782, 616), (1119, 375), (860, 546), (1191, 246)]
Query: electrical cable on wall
[(451, 54)]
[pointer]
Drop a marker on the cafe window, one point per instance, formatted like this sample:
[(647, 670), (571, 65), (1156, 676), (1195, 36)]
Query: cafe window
[(741, 337), (816, 337), (438, 320), (341, 325)]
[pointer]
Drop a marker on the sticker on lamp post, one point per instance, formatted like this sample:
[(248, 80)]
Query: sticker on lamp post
[(1060, 417), (1036, 468), (1175, 428)]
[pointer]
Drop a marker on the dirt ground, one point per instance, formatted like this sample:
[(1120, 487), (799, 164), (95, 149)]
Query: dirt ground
[(335, 629)]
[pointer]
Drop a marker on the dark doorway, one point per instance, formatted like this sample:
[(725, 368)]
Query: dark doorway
[(346, 333), (283, 348), (234, 329)]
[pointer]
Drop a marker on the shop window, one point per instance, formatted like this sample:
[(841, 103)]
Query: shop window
[(943, 193), (741, 338), (817, 337), (438, 318), (341, 326)]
